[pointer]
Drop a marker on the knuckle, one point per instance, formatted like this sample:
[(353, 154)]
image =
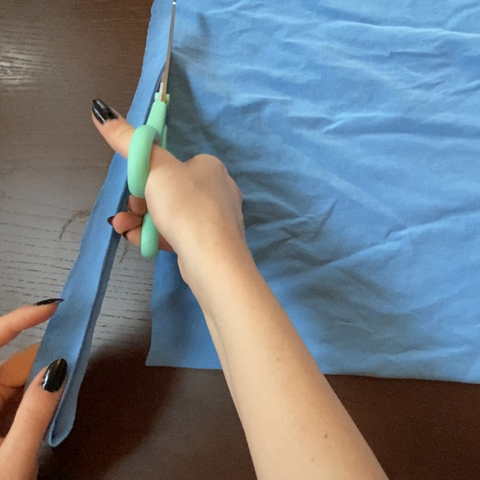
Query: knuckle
[(31, 417), (119, 133), (208, 160)]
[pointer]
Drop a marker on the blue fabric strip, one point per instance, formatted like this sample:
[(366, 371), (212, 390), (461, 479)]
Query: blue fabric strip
[(70, 331)]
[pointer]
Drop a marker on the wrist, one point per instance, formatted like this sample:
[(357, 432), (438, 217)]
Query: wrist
[(213, 258)]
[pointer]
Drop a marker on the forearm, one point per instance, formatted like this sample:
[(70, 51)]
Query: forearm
[(295, 425)]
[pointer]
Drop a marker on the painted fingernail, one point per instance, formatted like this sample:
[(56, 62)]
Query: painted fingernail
[(55, 376), (49, 301), (102, 112), (110, 220)]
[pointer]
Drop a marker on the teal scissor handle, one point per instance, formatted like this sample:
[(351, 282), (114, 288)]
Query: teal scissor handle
[(138, 167)]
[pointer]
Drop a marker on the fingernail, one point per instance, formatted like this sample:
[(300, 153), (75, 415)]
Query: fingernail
[(102, 112), (55, 376), (49, 301), (110, 220)]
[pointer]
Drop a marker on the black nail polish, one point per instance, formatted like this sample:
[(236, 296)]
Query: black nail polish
[(55, 376), (49, 301), (110, 220), (102, 112)]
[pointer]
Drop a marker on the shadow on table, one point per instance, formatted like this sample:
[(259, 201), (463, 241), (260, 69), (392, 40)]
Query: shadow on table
[(144, 422), (118, 403)]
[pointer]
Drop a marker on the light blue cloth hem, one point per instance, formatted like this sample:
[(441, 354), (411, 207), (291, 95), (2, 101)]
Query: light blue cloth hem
[(70, 331)]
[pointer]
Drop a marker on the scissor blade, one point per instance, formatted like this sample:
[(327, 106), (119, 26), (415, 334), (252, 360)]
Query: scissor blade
[(163, 83)]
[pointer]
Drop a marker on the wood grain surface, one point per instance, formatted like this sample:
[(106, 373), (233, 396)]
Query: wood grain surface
[(134, 421), (55, 58)]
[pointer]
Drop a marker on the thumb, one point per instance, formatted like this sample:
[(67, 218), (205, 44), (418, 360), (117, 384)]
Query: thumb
[(113, 127), (118, 132), (18, 452)]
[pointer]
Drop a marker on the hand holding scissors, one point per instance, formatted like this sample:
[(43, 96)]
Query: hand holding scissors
[(145, 136)]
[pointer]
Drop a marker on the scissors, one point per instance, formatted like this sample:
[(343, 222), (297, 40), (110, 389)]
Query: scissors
[(144, 137)]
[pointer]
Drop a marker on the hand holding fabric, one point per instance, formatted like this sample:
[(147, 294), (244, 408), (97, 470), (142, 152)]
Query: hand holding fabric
[(18, 450)]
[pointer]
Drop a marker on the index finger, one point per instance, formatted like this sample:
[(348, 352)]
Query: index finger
[(13, 323)]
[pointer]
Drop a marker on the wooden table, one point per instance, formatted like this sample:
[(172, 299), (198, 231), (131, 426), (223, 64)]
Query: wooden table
[(134, 421)]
